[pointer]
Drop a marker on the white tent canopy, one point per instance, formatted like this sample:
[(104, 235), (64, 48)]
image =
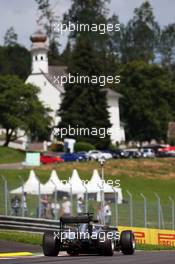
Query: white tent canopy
[(96, 184), (54, 184), (75, 184), (31, 186)]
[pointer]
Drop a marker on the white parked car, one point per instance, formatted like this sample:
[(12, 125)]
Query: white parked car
[(97, 154), (147, 153)]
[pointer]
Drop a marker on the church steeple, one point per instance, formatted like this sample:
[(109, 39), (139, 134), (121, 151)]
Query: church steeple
[(39, 52)]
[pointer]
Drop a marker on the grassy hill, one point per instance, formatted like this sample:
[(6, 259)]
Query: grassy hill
[(148, 176), (138, 175), (8, 155)]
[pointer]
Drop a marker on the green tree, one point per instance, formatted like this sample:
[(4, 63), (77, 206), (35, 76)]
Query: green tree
[(47, 18), (115, 37), (141, 35), (167, 45), (88, 12), (15, 60), (53, 55), (85, 104), (10, 38), (148, 102), (21, 109), (65, 56)]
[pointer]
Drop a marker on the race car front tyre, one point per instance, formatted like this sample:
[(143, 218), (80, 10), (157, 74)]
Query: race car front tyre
[(50, 244), (106, 248), (127, 242)]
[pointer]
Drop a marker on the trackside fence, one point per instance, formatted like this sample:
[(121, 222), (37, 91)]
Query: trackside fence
[(135, 209)]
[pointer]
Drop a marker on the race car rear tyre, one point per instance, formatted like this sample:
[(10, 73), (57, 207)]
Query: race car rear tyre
[(127, 242), (50, 244), (106, 248)]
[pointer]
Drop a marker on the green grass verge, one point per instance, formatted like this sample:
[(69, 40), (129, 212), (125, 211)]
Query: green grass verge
[(153, 247), (8, 155), (23, 237), (36, 239)]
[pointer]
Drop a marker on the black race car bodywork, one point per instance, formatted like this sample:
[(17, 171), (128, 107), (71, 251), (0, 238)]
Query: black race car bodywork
[(80, 235)]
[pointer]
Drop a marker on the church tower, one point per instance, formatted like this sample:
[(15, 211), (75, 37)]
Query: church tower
[(39, 53)]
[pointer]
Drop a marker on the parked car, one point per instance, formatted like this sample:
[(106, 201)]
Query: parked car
[(73, 157), (106, 154), (48, 159), (131, 153), (168, 151), (147, 153), (93, 155), (82, 154), (97, 154), (117, 154)]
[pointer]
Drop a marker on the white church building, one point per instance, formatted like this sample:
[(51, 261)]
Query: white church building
[(51, 93)]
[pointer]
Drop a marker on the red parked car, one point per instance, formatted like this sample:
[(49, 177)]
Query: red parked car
[(168, 151), (44, 159)]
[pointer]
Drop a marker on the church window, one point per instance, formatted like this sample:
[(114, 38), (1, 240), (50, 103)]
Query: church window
[(36, 58), (41, 57)]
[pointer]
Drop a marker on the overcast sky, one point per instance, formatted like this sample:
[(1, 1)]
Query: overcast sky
[(21, 14)]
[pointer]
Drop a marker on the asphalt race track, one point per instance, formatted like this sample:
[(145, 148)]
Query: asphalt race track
[(139, 258)]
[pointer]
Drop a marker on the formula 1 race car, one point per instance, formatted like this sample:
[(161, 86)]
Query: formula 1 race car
[(82, 235)]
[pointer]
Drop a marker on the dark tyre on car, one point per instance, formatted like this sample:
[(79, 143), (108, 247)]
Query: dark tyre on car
[(127, 242), (50, 244), (106, 247)]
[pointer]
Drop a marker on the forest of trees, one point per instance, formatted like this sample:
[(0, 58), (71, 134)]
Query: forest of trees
[(142, 52)]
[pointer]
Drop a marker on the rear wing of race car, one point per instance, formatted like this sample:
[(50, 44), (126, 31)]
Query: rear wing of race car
[(76, 219)]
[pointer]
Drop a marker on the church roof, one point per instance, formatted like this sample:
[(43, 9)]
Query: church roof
[(55, 72), (38, 36)]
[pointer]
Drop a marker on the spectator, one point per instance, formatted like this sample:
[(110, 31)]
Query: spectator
[(66, 207), (55, 209), (49, 211), (44, 204), (15, 205), (108, 214), (24, 204), (99, 214), (80, 206)]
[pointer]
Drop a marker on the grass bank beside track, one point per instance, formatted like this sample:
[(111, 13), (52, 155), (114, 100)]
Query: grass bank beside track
[(137, 175), (148, 176), (23, 237), (153, 247), (8, 155), (36, 239)]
